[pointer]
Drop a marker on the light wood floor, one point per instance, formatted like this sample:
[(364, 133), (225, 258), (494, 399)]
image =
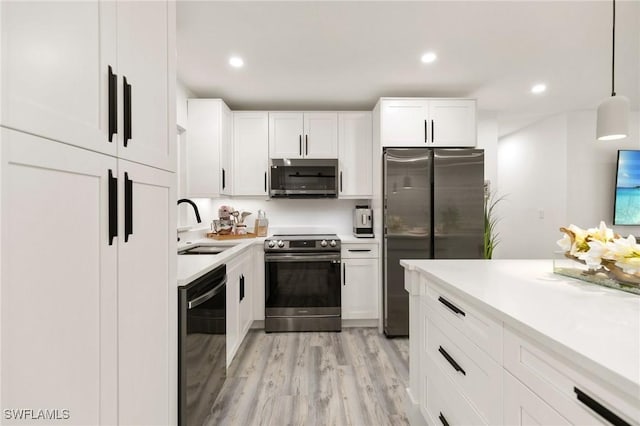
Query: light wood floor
[(355, 377)]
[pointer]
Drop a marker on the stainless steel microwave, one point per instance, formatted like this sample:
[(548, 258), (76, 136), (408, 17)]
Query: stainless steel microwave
[(304, 178)]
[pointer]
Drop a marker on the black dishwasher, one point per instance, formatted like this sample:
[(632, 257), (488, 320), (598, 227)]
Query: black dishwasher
[(202, 348)]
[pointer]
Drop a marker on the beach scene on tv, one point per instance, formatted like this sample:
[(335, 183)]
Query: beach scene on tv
[(627, 210)]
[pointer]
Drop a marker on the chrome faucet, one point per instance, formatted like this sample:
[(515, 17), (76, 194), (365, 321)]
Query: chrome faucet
[(195, 208)]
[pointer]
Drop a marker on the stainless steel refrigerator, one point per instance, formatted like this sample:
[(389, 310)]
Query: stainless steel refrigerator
[(433, 209)]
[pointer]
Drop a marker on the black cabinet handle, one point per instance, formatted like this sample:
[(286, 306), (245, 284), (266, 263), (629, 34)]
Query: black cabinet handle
[(359, 250), (113, 207), (340, 181), (223, 178), (432, 132), (425, 131), (300, 144), (451, 361), (443, 419), (599, 409), (241, 287), (113, 104), (344, 274), (306, 144), (451, 306), (128, 207), (265, 182), (127, 110)]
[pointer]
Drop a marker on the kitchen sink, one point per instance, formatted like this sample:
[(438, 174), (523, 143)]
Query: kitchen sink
[(204, 249)]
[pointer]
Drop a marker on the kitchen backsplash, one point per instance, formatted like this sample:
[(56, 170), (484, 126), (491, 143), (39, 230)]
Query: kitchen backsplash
[(285, 216)]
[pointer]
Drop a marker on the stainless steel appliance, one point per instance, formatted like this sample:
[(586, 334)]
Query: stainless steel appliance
[(433, 209), (363, 222), (202, 347), (304, 178), (302, 283)]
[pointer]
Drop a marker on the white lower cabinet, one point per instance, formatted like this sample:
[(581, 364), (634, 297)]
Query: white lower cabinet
[(524, 408), (360, 286), (467, 367), (240, 273), (87, 318)]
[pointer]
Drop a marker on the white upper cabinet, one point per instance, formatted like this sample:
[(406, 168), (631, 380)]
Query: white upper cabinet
[(452, 122), (207, 132), (404, 122), (303, 135), (227, 179), (428, 122), (64, 66), (355, 154), (55, 70), (250, 153), (146, 45), (320, 135)]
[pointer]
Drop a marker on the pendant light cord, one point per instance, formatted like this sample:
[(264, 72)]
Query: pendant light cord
[(613, 51)]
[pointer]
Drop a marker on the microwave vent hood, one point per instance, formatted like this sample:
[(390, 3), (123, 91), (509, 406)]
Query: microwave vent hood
[(304, 178)]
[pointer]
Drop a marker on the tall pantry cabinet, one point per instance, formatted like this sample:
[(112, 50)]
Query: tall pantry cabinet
[(87, 205)]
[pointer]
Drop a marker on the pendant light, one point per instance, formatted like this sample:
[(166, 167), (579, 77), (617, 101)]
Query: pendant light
[(613, 113)]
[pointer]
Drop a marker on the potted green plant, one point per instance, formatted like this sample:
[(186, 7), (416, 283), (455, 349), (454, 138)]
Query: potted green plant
[(491, 235)]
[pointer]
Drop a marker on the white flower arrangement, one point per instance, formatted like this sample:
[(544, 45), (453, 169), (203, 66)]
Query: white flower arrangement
[(603, 250)]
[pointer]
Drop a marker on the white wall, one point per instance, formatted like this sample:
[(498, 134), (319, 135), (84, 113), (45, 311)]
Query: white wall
[(287, 216), (558, 166), (488, 140), (182, 94), (532, 176), (591, 169)]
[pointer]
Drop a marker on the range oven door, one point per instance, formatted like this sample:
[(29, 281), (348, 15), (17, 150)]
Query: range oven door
[(302, 285)]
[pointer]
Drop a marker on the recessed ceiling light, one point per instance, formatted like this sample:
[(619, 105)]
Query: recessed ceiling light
[(429, 57), (236, 62), (538, 88)]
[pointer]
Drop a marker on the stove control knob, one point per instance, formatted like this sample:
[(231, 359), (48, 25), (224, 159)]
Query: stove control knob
[(333, 243), (271, 244), (323, 243), (280, 243)]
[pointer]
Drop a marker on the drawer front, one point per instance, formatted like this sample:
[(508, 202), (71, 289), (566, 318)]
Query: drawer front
[(442, 404), (571, 393), (355, 251), (524, 408), (475, 374), (478, 327)]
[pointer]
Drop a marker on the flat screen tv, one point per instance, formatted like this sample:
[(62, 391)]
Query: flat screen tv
[(626, 210)]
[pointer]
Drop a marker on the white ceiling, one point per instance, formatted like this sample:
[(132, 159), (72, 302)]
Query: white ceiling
[(345, 55)]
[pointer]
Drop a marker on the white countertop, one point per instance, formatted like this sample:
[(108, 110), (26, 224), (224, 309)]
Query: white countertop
[(597, 327), (191, 267), (194, 266)]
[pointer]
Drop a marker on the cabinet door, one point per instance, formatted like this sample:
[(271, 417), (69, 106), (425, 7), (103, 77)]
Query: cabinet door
[(55, 59), (355, 154), (227, 180), (360, 288), (146, 295), (246, 294), (524, 408), (285, 135), (203, 148), (233, 309), (320, 135), (251, 153), (452, 123), (58, 283), (146, 59), (257, 284), (404, 122)]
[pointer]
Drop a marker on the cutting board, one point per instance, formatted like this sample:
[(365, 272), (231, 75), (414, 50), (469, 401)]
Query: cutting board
[(230, 236)]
